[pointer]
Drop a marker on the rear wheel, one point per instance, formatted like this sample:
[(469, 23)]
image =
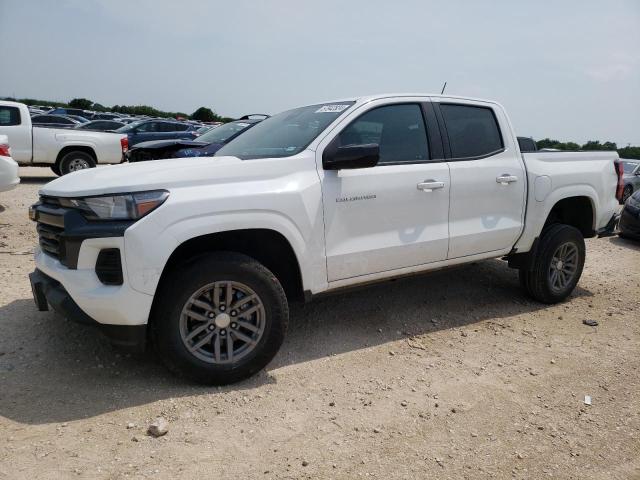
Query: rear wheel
[(74, 161), (557, 265), (220, 318)]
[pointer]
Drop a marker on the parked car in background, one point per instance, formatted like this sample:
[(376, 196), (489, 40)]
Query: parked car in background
[(127, 120), (65, 150), (106, 116), (527, 144), (629, 225), (101, 125), (202, 256), (78, 118), (631, 177), (146, 130), (58, 121), (204, 145), (8, 166), (71, 111)]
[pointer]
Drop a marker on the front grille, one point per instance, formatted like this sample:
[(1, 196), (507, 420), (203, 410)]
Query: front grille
[(50, 218), (49, 238)]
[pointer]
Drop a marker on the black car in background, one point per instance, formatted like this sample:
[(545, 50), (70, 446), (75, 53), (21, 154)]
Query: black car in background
[(629, 225), (206, 145), (101, 125)]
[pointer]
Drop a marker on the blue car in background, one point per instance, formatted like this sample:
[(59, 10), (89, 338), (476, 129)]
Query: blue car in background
[(147, 130), (206, 145)]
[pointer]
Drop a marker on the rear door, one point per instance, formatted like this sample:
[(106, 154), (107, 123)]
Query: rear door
[(488, 177), (393, 215), (13, 126)]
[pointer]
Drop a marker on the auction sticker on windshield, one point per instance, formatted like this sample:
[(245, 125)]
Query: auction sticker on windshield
[(332, 108)]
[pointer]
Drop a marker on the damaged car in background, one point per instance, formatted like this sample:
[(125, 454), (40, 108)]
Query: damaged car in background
[(206, 145)]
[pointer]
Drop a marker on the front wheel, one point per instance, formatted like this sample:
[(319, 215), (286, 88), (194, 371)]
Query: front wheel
[(220, 318), (557, 265)]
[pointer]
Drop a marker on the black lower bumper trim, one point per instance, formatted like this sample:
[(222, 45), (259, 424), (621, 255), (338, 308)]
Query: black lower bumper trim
[(49, 292)]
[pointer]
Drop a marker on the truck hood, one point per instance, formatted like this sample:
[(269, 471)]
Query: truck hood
[(136, 177)]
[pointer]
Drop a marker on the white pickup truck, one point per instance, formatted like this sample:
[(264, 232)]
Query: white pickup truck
[(202, 256), (64, 150)]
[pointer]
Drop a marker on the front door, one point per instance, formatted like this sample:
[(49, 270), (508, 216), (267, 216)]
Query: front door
[(391, 216)]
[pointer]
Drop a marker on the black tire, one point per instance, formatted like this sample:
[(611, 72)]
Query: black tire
[(195, 275), (56, 169), (626, 193), (536, 281), (76, 160)]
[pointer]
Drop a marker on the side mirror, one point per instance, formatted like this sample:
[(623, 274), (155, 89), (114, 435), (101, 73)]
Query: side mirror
[(351, 156)]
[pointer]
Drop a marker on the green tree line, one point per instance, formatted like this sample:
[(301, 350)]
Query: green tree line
[(202, 114), (592, 145)]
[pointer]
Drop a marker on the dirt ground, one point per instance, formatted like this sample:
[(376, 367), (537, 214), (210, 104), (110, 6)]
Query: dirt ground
[(454, 375)]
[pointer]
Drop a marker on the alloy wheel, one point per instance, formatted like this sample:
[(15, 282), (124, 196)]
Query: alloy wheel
[(222, 322), (563, 268)]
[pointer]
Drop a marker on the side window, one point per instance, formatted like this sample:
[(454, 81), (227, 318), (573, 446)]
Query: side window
[(39, 119), (148, 127), (9, 116), (473, 131), (399, 130), (64, 121)]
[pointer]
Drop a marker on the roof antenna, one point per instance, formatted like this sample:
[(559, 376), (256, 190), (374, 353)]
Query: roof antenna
[(443, 87)]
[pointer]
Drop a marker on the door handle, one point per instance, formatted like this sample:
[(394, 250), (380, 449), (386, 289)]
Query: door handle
[(506, 179), (430, 185)]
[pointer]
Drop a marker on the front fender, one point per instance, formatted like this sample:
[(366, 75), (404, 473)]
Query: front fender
[(146, 260)]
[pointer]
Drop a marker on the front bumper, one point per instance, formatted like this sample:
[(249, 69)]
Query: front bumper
[(106, 304), (49, 292)]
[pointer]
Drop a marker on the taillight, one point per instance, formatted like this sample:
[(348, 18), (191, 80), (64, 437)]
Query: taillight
[(5, 150), (620, 172), (124, 143)]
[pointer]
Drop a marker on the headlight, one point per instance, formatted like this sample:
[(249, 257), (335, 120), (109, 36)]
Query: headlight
[(129, 206)]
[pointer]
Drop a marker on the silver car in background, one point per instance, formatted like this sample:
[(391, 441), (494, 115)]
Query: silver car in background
[(631, 177)]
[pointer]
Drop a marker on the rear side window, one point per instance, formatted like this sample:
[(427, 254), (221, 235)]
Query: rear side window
[(399, 130), (9, 116), (473, 131)]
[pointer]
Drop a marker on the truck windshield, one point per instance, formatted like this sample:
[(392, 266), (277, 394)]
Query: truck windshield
[(286, 133)]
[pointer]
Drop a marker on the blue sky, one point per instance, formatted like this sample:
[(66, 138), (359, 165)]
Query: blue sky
[(569, 70)]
